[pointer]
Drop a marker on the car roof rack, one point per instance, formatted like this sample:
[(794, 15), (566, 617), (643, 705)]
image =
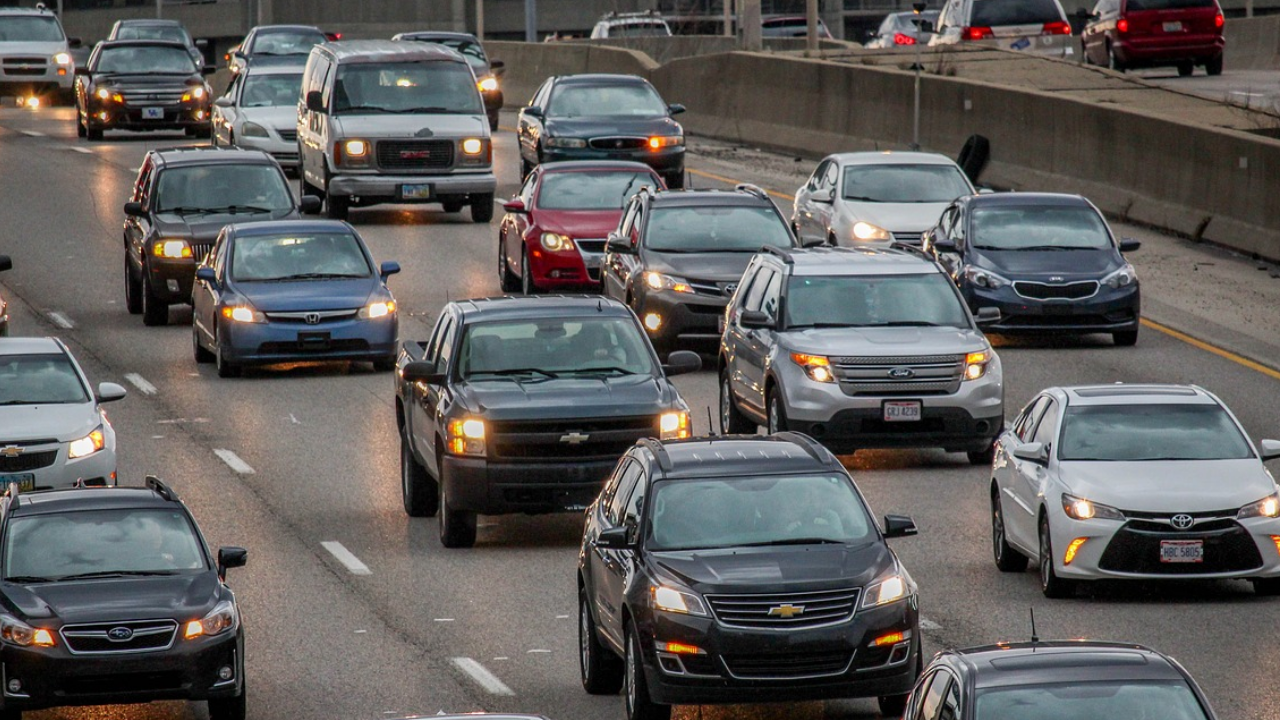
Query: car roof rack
[(811, 446), (659, 453), (752, 189), (784, 253), (157, 486)]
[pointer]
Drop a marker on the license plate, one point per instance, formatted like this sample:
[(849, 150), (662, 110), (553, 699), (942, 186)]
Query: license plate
[(26, 481), (419, 191), (1057, 309), (152, 113), (1173, 27), (1181, 551), (902, 411)]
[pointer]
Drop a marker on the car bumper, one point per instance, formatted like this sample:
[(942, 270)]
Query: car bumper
[(1169, 48), (491, 487), (664, 162), (172, 279), (1108, 311), (21, 85), (567, 270), (390, 188), (681, 318), (285, 152), (125, 118), (743, 665), (346, 339), (48, 465), (52, 677)]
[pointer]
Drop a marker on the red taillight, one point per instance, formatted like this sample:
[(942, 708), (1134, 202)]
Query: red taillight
[(901, 39), (1122, 25), (1219, 21), (976, 33), (1056, 28)]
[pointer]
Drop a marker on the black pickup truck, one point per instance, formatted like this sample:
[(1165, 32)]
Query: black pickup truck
[(525, 404)]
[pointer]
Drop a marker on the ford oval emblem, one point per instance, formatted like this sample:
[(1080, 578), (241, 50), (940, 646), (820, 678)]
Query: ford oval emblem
[(902, 373), (120, 634)]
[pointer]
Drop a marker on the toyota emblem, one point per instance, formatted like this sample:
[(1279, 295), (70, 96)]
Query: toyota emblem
[(1182, 521), (312, 318), (731, 288), (120, 634), (902, 373)]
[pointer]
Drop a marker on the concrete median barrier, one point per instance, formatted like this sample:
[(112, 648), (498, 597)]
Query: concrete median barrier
[(1253, 43)]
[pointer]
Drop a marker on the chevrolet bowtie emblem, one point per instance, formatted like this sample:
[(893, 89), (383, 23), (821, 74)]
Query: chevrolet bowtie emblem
[(11, 451), (574, 438), (786, 611)]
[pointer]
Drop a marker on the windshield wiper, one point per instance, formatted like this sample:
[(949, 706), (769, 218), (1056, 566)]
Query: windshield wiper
[(862, 198), (802, 326), (515, 371), (118, 573), (433, 109), (1052, 247), (795, 541), (903, 323), (233, 209), (28, 579), (611, 370), (309, 276)]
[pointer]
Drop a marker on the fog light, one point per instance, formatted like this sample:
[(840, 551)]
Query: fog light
[(225, 672), (103, 116), (653, 321), (15, 685), (172, 285), (890, 639), (681, 648), (1072, 549)]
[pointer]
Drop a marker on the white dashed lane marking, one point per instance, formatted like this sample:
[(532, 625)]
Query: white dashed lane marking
[(483, 677), (84, 151), (61, 320), (32, 133), (344, 556), (233, 461), (141, 383)]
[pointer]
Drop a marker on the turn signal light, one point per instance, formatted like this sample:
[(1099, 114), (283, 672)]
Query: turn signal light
[(1219, 21), (43, 638), (892, 638), (976, 33), (1276, 539), (1072, 549), (1122, 25), (681, 649)]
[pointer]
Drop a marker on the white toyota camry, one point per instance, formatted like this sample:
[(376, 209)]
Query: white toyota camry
[(1134, 481)]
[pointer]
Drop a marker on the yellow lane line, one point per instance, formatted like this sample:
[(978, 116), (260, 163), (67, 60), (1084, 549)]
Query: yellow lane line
[(1227, 354), (731, 181)]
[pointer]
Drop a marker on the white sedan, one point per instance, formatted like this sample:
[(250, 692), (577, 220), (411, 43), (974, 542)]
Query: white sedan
[(1134, 481), (260, 112), (876, 198)]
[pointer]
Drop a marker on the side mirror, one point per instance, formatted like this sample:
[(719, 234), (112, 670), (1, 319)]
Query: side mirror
[(827, 196), (676, 108), (497, 67), (943, 244), (614, 538), (755, 319), (231, 557), (314, 101), (5, 263), (74, 43), (681, 362), (515, 205), (814, 242), (1032, 452), (224, 102), (388, 269), (82, 71), (987, 315), (423, 372), (204, 273), (896, 526), (202, 43), (1084, 14), (1269, 450), (1129, 244), (110, 392), (310, 204), (533, 111), (134, 209), (618, 244)]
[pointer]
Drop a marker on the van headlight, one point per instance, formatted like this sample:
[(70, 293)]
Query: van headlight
[(87, 445), (353, 153)]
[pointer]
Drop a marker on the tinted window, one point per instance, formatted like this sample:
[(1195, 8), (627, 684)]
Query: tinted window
[(293, 42), (932, 703), (1090, 700), (772, 296), (1151, 432), (270, 90), (39, 380), (904, 183), (623, 494), (468, 49), (628, 99), (874, 300), (1047, 430), (290, 257), (715, 228), (731, 512), (101, 541), (145, 60), (1168, 4), (640, 30), (1023, 227), (29, 28), (758, 285), (222, 187), (427, 87), (591, 190), (172, 33), (534, 350), (992, 13), (1027, 421)]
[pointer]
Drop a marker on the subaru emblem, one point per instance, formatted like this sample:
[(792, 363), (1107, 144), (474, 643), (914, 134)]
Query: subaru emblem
[(1182, 521), (312, 318), (902, 373), (120, 634)]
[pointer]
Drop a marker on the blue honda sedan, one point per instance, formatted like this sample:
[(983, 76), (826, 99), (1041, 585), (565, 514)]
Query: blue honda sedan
[(291, 290)]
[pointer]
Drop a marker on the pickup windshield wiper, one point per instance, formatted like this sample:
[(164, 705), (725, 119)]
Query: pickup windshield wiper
[(795, 541), (515, 371), (118, 573), (28, 579)]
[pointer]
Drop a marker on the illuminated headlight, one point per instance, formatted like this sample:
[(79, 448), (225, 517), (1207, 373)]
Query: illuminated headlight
[(62, 59), (867, 231), (103, 94), (488, 84), (658, 281), (1123, 277), (253, 129), (984, 278), (87, 445), (677, 601), (243, 314), (195, 93), (1267, 507), (817, 367), (222, 618), (1078, 508), (173, 249), (377, 309), (355, 148), (888, 590), (673, 425), (556, 242), (563, 142), (975, 364), (16, 632), (472, 146), (466, 437), (353, 152), (661, 141)]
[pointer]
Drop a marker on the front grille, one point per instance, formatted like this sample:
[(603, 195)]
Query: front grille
[(713, 288), (923, 375), (122, 684), (584, 439), (200, 250), (787, 666), (1163, 523), (27, 461), (1050, 322), (145, 636), (1044, 291), (806, 609), (26, 66), (1136, 550), (289, 135), (415, 154), (33, 60), (591, 245), (305, 317), (151, 98), (909, 238), (618, 143)]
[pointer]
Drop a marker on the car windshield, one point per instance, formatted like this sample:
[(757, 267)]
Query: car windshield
[(223, 187), (874, 300), (905, 22), (994, 13), (40, 380), (146, 59), (1166, 700), (591, 190), (1038, 227), (619, 100), (30, 28), (715, 228), (271, 90), (102, 542), (468, 49), (766, 510), (407, 87), (640, 29), (310, 256), (172, 33), (1132, 5), (551, 347), (1151, 432), (292, 42), (904, 183)]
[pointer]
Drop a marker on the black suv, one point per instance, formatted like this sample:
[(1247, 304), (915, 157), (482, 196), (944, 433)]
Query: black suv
[(181, 200), (740, 569), (110, 595), (677, 257), (524, 405)]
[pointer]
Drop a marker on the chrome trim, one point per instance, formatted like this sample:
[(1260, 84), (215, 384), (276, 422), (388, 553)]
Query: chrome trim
[(854, 594), (684, 672), (150, 627), (889, 663), (302, 315), (1097, 286)]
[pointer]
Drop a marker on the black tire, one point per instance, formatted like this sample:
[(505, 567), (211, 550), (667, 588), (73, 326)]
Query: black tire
[(892, 706), (1113, 62), (155, 312), (1007, 559), (417, 487), (226, 368), (506, 279), (453, 206), (457, 527), (92, 134), (526, 276), (493, 121), (775, 412), (732, 421), (232, 708), (337, 208), (674, 181), (1214, 66), (482, 207), (982, 457), (132, 288), (1127, 338), (601, 669), (1186, 68), (1266, 587), (80, 129), (1050, 584), (386, 364), (202, 356), (635, 687)]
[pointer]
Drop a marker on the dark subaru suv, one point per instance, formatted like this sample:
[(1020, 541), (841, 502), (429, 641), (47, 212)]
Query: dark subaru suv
[(110, 595), (741, 569), (181, 200)]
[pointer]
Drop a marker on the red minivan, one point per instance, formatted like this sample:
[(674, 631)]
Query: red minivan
[(1124, 34)]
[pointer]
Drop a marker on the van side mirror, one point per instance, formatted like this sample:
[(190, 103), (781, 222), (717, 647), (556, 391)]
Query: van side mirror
[(314, 102), (1129, 244), (134, 209), (896, 526), (1034, 452), (421, 372), (619, 244), (987, 315), (681, 362)]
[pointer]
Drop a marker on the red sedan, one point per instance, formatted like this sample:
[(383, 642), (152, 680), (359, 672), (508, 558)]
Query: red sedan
[(552, 236)]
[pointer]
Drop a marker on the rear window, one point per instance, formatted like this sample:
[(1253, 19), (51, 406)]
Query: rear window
[(1168, 4), (993, 13)]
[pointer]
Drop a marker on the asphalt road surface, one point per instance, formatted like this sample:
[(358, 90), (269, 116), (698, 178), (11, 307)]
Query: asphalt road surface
[(354, 610)]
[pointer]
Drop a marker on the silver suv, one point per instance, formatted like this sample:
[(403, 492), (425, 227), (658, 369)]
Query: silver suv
[(859, 348), (35, 58)]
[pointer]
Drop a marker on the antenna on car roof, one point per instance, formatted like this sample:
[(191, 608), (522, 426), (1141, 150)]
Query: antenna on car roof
[(1034, 637), (711, 427)]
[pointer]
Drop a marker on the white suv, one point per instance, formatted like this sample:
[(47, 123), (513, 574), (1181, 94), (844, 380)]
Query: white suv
[(35, 58), (637, 24)]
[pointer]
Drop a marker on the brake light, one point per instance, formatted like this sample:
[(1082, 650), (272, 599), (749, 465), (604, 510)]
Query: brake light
[(1056, 28), (1122, 25), (976, 33), (1219, 21), (901, 39)]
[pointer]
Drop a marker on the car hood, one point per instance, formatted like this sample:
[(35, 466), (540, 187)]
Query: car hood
[(283, 117), (49, 47), (774, 569), (1169, 486), (890, 342), (23, 423), (589, 127), (714, 266), (424, 126), (894, 217), (589, 224), (1044, 264), (300, 295), (205, 228), (626, 396), (182, 597)]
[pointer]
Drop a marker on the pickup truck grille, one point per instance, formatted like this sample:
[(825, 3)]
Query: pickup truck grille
[(921, 375), (583, 439), (415, 154)]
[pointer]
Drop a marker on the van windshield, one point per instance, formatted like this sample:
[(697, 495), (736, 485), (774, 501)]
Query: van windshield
[(406, 87), (30, 28)]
